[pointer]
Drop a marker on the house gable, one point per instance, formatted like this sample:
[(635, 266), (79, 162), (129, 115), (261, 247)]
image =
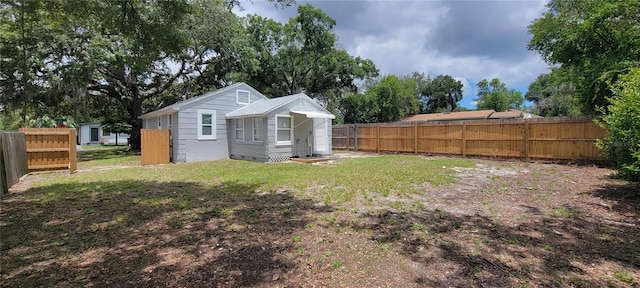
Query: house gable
[(299, 102)]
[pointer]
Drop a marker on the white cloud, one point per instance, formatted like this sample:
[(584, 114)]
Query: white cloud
[(469, 40)]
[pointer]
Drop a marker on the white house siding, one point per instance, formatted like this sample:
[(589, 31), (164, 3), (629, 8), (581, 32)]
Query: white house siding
[(247, 149), (85, 133), (302, 128), (190, 148)]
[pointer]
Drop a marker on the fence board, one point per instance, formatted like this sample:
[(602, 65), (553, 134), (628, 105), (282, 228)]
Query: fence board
[(14, 158), (339, 137), (367, 138), (155, 146), (548, 138), (50, 148)]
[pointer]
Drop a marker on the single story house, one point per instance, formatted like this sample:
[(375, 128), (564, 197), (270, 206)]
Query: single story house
[(470, 115), (239, 122), (92, 133)]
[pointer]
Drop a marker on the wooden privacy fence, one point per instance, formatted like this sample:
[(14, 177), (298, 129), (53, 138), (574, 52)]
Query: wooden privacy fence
[(51, 148), (155, 146), (545, 138), (13, 159)]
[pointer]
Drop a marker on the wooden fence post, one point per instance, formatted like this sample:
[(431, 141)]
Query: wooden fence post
[(348, 138), (73, 156), (355, 131), (378, 138), (526, 140), (415, 137), (464, 139)]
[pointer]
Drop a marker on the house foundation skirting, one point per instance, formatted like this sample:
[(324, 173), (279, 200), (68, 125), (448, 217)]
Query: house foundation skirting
[(275, 159)]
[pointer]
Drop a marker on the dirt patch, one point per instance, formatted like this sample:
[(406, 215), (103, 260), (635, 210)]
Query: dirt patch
[(500, 224)]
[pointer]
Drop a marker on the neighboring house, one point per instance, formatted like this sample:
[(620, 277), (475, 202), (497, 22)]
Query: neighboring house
[(92, 133), (239, 122), (470, 115), (513, 114)]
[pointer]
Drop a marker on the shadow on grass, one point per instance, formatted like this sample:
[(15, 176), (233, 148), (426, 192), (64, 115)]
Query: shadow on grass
[(136, 233), (625, 197), (99, 154), (476, 251)]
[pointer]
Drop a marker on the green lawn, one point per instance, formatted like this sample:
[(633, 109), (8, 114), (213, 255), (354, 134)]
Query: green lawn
[(404, 220), (114, 209), (337, 183)]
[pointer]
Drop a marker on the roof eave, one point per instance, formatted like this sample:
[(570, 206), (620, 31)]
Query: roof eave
[(163, 111), (240, 116)]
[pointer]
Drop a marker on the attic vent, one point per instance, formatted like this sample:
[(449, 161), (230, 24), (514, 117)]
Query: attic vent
[(243, 97), (303, 102)]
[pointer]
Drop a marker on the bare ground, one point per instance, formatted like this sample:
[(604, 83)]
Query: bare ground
[(502, 224)]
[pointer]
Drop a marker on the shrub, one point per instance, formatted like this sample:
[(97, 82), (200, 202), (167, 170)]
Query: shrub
[(622, 121)]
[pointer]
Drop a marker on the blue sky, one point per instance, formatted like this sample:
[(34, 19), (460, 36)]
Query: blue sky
[(470, 40)]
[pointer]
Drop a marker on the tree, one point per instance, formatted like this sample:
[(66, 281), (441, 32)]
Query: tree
[(442, 94), (496, 96), (117, 128), (29, 51), (554, 95), (360, 108), (419, 82), (66, 54), (388, 100), (301, 55), (146, 37), (622, 121), (596, 39)]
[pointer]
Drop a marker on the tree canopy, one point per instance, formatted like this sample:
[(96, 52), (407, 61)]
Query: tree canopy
[(80, 53), (442, 94), (388, 99), (496, 96), (594, 40), (301, 56), (554, 94), (622, 121)]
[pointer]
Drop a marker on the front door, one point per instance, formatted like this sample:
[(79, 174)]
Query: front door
[(94, 134)]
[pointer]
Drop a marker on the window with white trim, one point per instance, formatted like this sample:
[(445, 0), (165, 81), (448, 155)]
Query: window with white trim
[(257, 129), (284, 131), (170, 122), (239, 129), (243, 97), (159, 122), (206, 124)]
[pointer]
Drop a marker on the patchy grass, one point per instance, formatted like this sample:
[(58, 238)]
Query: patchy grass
[(392, 220), (624, 276), (96, 156)]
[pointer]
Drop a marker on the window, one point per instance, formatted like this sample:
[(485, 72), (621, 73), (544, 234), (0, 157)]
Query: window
[(206, 124), (239, 129), (105, 133), (170, 122), (160, 122), (257, 129), (243, 97), (284, 133)]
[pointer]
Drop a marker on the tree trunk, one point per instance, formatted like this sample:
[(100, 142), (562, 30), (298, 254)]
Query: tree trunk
[(135, 139)]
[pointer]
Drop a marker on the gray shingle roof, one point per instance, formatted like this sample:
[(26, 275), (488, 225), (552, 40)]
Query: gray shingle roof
[(263, 107), (176, 106)]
